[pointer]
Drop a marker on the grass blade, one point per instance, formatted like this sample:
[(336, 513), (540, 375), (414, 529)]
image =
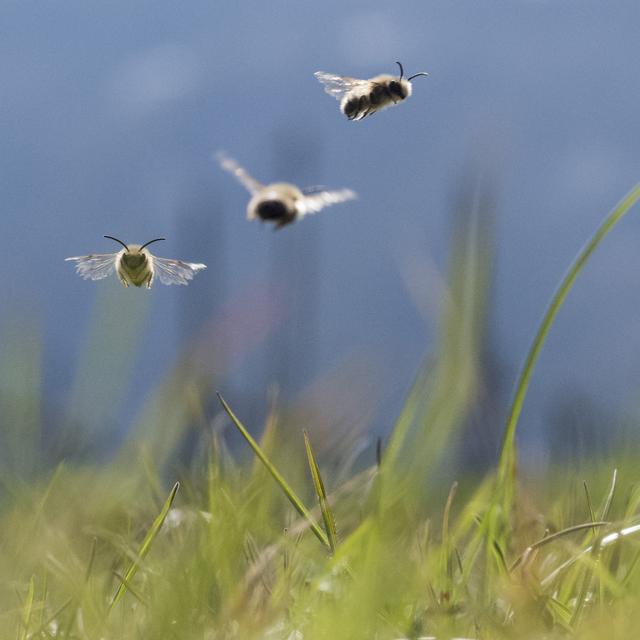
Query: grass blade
[(604, 511), (284, 485), (26, 611), (447, 547), (507, 462), (42, 629), (592, 514), (145, 546), (522, 558), (327, 514)]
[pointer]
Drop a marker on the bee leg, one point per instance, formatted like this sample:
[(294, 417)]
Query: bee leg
[(149, 280), (124, 283)]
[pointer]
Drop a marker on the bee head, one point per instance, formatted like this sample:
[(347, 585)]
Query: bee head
[(134, 258), (134, 255), (401, 88), (134, 248)]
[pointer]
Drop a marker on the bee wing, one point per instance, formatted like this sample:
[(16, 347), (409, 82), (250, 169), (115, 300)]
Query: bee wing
[(174, 271), (339, 86), (230, 165), (317, 201), (312, 190), (95, 266)]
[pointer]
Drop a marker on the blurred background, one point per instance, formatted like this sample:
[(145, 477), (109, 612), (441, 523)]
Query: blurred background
[(111, 114)]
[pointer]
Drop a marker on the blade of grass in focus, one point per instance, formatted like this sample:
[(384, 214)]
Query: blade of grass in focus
[(507, 461), (277, 476), (495, 525), (327, 514), (145, 546)]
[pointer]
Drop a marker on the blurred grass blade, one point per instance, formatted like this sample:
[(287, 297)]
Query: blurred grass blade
[(327, 514), (284, 485), (446, 387), (590, 573), (592, 514), (146, 545), (612, 538), (586, 586), (42, 629), (630, 569), (92, 557), (106, 362), (604, 511), (406, 419), (447, 547), (500, 557), (522, 558), (129, 587), (507, 462), (26, 611)]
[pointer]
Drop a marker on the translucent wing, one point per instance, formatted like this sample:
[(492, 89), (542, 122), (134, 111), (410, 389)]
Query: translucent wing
[(316, 188), (95, 266), (317, 201), (339, 86), (175, 271), (230, 165)]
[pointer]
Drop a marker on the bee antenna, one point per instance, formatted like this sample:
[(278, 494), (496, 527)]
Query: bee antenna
[(146, 244), (415, 75), (401, 69), (120, 241)]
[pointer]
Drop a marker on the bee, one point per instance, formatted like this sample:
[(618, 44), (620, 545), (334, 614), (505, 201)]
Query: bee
[(281, 203), (135, 265), (361, 98)]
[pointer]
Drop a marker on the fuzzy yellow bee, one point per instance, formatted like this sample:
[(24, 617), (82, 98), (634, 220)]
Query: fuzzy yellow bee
[(361, 98), (281, 202), (135, 265)]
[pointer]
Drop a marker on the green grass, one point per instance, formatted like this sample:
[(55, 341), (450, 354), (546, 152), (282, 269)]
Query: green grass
[(277, 547)]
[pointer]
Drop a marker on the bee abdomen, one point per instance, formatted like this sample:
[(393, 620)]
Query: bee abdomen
[(351, 108), (377, 95), (355, 107), (272, 210)]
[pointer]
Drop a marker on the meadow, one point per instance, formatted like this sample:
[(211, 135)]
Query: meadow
[(274, 536)]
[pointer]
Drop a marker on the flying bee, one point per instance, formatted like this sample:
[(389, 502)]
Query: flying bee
[(135, 265), (361, 98), (280, 202)]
